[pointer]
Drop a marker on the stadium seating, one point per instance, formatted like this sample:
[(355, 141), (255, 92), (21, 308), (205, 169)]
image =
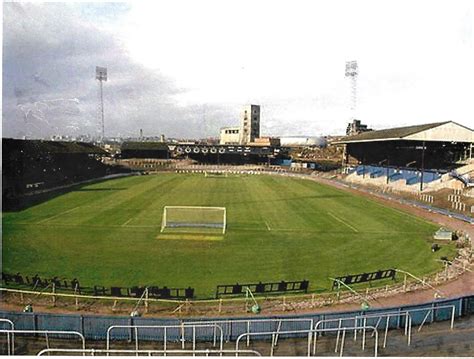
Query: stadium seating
[(467, 178), (410, 176)]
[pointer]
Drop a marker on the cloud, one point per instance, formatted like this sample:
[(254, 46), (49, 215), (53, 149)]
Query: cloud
[(184, 68), (50, 54)]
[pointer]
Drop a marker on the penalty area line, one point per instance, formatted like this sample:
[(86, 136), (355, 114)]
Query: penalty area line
[(343, 222), (57, 215)]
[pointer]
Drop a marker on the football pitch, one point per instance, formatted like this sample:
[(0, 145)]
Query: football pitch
[(278, 228)]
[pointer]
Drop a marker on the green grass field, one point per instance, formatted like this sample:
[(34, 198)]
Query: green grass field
[(278, 229)]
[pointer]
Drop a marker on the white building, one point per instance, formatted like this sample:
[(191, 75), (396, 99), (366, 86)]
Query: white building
[(229, 136), (248, 130)]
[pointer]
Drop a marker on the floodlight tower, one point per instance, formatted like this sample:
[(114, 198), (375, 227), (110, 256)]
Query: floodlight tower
[(101, 75), (352, 71)]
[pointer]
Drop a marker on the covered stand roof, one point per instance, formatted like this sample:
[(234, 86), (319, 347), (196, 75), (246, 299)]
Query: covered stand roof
[(144, 146), (448, 131), (51, 147)]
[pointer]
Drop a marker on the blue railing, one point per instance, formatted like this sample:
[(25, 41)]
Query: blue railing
[(95, 327)]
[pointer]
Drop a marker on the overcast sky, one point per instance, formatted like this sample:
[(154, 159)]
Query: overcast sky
[(184, 68)]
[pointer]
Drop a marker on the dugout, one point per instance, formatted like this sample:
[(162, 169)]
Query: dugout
[(440, 146)]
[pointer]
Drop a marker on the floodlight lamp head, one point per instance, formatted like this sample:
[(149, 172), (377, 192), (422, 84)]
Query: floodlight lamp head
[(101, 73), (351, 68)]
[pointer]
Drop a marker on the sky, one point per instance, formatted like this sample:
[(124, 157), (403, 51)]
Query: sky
[(184, 68)]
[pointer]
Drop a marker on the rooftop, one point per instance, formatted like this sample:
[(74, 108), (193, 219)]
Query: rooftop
[(406, 132)]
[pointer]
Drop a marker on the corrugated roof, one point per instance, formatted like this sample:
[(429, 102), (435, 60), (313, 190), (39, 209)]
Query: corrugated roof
[(41, 146), (391, 133)]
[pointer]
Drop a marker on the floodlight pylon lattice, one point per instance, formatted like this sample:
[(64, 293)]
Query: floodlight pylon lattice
[(352, 71), (101, 76)]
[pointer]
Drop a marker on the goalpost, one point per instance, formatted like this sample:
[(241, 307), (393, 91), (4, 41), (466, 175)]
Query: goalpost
[(187, 218)]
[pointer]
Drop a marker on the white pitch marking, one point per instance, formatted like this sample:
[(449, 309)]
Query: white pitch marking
[(343, 222), (123, 225), (57, 215), (268, 227), (83, 225)]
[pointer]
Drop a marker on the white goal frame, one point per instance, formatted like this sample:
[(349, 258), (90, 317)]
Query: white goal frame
[(223, 209)]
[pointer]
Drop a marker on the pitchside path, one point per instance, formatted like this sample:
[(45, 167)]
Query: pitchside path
[(278, 229)]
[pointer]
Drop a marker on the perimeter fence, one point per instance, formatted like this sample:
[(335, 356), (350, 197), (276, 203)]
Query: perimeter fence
[(95, 327)]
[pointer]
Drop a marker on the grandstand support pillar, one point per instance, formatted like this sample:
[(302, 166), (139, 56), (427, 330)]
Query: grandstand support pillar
[(363, 167), (344, 157), (422, 165)]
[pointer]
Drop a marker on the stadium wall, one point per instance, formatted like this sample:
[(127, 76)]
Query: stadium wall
[(95, 327)]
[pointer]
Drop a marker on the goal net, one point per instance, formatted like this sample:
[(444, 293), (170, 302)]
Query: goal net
[(187, 219)]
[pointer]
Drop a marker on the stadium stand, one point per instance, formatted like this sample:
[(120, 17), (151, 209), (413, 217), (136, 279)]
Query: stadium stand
[(465, 175), (442, 145), (410, 176), (144, 150), (32, 166)]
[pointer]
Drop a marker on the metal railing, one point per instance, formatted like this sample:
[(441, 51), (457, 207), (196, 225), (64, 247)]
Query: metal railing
[(10, 339), (180, 352), (387, 317), (310, 333), (166, 328), (228, 324), (361, 320), (46, 333)]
